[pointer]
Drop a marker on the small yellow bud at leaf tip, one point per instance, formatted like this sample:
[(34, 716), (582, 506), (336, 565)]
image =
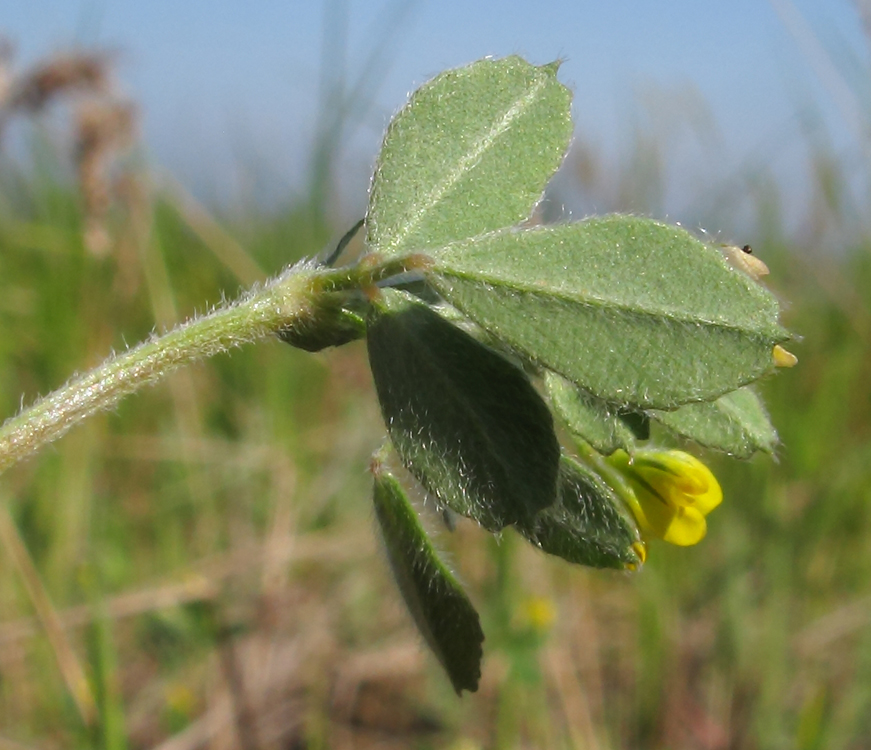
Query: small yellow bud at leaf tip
[(640, 550), (783, 358)]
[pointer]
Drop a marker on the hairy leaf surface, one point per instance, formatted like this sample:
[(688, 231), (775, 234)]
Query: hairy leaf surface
[(440, 608), (588, 418), (466, 422), (586, 526), (735, 423), (636, 312), (470, 153)]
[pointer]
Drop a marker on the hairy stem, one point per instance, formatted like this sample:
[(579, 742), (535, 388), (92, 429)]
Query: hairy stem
[(284, 303), (288, 303)]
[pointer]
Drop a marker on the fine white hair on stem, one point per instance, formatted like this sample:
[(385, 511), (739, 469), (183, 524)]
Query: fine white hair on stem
[(281, 303)]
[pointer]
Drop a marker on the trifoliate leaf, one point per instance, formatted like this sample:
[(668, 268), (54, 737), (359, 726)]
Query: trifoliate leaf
[(588, 418), (586, 526), (735, 423), (471, 152), (466, 422), (440, 608), (635, 312)]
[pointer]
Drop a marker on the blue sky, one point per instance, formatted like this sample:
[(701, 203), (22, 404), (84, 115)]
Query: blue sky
[(224, 83)]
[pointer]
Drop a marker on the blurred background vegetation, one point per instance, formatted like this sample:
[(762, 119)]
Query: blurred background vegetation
[(200, 567)]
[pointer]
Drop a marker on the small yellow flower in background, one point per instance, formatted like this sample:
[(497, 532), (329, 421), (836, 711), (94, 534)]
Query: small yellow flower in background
[(673, 492), (180, 699), (538, 613)]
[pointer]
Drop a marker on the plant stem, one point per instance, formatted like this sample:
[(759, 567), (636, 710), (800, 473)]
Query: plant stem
[(284, 303), (287, 303)]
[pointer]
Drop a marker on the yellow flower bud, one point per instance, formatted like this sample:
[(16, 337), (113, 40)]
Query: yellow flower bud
[(783, 358), (673, 492)]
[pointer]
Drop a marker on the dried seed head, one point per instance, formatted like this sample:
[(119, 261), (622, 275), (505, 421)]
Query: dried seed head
[(103, 129), (32, 90), (104, 125), (6, 54)]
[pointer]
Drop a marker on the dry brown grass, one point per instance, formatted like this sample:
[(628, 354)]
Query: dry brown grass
[(104, 121)]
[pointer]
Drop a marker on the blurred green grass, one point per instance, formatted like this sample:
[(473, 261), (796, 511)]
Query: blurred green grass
[(210, 548)]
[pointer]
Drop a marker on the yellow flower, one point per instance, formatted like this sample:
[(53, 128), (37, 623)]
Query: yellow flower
[(672, 493), (538, 612), (180, 699)]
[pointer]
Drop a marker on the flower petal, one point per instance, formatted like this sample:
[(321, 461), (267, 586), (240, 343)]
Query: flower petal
[(671, 491), (658, 514), (687, 527), (681, 479)]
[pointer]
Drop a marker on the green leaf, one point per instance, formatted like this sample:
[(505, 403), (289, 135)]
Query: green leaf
[(437, 603), (586, 526), (470, 153), (635, 312), (466, 422), (735, 423), (588, 418)]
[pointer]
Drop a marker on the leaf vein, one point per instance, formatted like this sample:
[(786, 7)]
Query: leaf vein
[(467, 163)]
